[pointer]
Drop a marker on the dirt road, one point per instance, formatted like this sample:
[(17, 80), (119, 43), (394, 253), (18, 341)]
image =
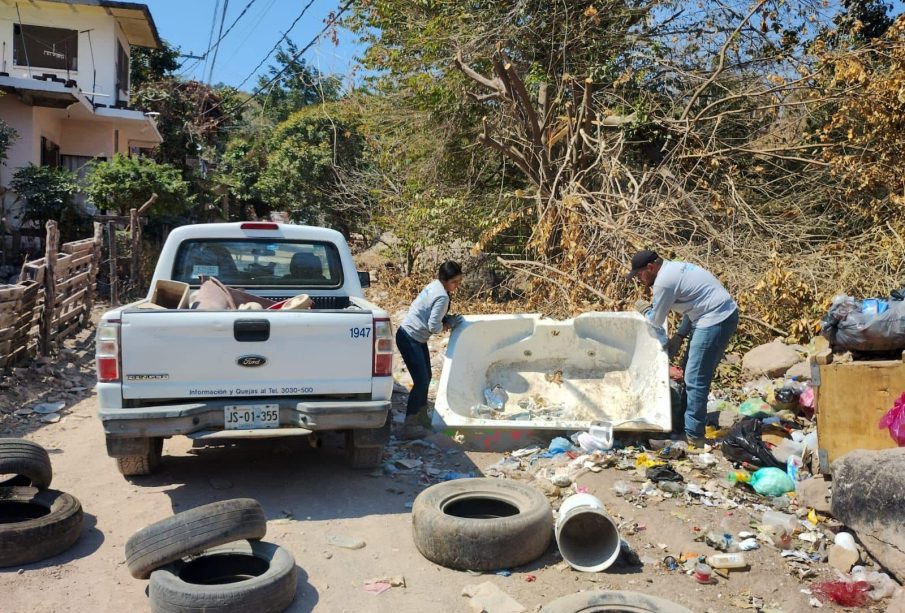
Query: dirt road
[(308, 494)]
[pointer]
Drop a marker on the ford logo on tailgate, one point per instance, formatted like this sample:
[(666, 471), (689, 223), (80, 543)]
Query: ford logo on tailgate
[(252, 361)]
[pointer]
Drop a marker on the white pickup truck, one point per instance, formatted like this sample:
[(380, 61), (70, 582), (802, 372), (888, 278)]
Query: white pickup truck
[(233, 374)]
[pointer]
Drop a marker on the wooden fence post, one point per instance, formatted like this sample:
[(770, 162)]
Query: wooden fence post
[(114, 278), (50, 286), (135, 263), (95, 267)]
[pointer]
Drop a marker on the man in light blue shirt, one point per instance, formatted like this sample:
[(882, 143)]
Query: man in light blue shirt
[(709, 313)]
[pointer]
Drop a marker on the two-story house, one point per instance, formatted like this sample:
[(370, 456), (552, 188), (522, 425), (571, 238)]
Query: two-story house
[(64, 68)]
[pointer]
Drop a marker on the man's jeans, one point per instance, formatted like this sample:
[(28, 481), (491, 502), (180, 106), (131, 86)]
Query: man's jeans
[(705, 350), (418, 360)]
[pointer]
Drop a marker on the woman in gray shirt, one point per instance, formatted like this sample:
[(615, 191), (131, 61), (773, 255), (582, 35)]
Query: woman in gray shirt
[(427, 315)]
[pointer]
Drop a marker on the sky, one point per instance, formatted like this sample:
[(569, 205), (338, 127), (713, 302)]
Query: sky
[(187, 24)]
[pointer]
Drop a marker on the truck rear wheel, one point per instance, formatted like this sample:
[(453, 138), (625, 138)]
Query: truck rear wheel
[(144, 464), (364, 448)]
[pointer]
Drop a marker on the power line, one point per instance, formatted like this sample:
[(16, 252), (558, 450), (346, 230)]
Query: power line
[(210, 37), (220, 37), (330, 23), (277, 45)]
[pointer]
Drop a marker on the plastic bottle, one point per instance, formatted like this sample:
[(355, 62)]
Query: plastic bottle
[(702, 573), (784, 520), (496, 397), (727, 560)]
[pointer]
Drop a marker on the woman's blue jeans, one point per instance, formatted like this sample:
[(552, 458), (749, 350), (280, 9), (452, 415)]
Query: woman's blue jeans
[(418, 360), (705, 350)]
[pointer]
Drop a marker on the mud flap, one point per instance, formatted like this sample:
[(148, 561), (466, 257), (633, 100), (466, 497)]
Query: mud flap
[(124, 447)]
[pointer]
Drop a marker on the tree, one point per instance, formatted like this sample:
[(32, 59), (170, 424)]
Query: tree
[(297, 86), (239, 170), (147, 65), (305, 153), (123, 183), (48, 194), (8, 136)]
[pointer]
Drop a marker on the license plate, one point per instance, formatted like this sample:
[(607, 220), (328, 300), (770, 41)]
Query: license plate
[(249, 416)]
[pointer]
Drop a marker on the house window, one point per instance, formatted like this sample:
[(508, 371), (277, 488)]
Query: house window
[(50, 153), (122, 71), (42, 47)]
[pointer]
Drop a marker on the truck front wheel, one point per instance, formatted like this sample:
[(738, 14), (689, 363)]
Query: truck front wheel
[(364, 448), (143, 463)]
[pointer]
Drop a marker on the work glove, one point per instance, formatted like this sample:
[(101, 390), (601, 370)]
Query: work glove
[(674, 345), (453, 321), (643, 306)]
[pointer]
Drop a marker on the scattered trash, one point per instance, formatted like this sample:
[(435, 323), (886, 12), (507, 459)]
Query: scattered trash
[(658, 474), (894, 421), (345, 542), (48, 407), (749, 544), (496, 397), (743, 444), (727, 560), (703, 573), (504, 573), (756, 407), (623, 488), (670, 563), (843, 593), (771, 482), (488, 597), (380, 585), (451, 474)]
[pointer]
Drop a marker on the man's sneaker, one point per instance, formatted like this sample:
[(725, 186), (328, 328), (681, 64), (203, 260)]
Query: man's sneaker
[(698, 442)]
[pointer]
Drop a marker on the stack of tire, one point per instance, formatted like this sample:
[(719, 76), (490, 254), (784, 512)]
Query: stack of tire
[(36, 523), (211, 559)]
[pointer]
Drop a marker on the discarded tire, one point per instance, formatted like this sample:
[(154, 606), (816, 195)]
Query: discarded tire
[(481, 524), (36, 524), (27, 462), (252, 576), (624, 602), (193, 531)]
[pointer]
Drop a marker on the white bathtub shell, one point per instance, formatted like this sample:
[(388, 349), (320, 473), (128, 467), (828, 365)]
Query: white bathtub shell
[(614, 369)]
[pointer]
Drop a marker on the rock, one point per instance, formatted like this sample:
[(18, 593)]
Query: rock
[(897, 602), (842, 559), (488, 598), (51, 418), (815, 494), (346, 542), (772, 360), (868, 489), (802, 370)]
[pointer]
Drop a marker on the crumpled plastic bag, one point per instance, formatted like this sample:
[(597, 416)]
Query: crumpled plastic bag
[(894, 420), (771, 482), (744, 444), (663, 473), (755, 407)]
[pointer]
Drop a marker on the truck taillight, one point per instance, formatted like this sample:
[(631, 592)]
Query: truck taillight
[(107, 351), (383, 348)]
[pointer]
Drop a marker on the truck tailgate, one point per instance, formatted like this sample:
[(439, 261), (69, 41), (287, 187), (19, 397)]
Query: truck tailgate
[(186, 354)]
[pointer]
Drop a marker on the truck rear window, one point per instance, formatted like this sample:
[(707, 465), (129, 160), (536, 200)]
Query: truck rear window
[(259, 262)]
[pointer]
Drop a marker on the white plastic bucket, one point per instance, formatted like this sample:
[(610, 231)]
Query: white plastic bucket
[(587, 538)]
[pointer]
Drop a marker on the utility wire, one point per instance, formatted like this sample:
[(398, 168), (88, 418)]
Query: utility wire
[(277, 45), (220, 37), (210, 38)]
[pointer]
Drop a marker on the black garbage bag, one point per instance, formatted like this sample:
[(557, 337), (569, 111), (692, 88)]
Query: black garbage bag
[(663, 473), (743, 443)]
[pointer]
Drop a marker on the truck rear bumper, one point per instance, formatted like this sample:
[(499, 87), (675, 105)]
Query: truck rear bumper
[(170, 420)]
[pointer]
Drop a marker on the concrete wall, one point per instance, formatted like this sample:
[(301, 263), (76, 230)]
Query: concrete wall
[(101, 40), (24, 149), (88, 138)]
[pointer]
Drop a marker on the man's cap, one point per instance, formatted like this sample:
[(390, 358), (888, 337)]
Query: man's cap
[(640, 260)]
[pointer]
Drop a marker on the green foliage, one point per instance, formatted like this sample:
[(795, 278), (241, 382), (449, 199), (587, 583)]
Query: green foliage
[(127, 182), (298, 86), (238, 172), (305, 153), (48, 194), (148, 65)]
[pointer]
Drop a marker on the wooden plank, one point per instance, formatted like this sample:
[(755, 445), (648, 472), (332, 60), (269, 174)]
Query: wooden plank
[(77, 280), (50, 257), (73, 327), (59, 322), (73, 298), (7, 333), (851, 399), (85, 244), (10, 292)]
